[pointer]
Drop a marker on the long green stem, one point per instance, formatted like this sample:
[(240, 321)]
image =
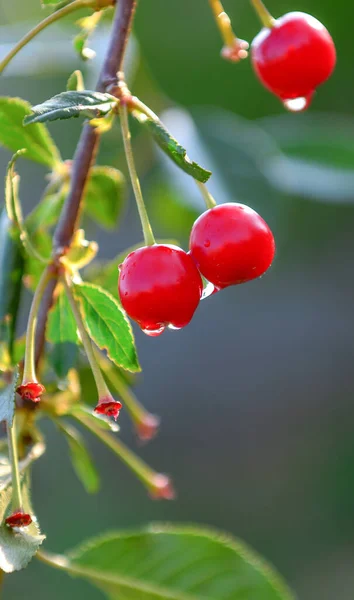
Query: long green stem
[(13, 456), (96, 371), (148, 235), (59, 14), (141, 469), (29, 370), (263, 13), (208, 198)]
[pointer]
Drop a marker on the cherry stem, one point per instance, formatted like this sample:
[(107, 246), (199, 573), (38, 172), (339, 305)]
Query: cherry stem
[(223, 22), (263, 13), (29, 369), (13, 456), (210, 202), (59, 14), (138, 466), (103, 391), (147, 231)]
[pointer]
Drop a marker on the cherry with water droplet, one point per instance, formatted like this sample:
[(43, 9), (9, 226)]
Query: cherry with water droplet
[(159, 286), (293, 58), (241, 246)]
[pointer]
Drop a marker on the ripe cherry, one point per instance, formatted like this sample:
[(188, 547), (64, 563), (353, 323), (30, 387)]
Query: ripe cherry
[(231, 244), (293, 57), (159, 286)]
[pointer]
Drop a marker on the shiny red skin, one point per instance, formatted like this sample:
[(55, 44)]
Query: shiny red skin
[(158, 286), (231, 244), (294, 57)]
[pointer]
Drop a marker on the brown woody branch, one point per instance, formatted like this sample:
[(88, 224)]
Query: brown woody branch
[(85, 154)]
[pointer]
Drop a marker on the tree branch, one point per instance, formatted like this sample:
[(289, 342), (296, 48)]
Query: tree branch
[(85, 155), (88, 143)]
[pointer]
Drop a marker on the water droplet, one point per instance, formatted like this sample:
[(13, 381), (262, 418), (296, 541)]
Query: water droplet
[(208, 290), (154, 332), (170, 326), (206, 243), (298, 104)]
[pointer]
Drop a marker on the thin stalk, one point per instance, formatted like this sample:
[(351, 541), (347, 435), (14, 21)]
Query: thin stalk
[(263, 13), (141, 469), (210, 202), (29, 369), (96, 371), (224, 23), (147, 231), (13, 456), (59, 14)]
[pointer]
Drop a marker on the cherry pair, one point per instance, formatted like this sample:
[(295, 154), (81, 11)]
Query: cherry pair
[(292, 57), (160, 285)]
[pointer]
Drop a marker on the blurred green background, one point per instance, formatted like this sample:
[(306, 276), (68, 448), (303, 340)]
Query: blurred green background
[(256, 395)]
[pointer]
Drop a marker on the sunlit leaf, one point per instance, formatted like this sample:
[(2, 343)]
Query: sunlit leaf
[(80, 458), (72, 104), (62, 332), (174, 563), (34, 139), (7, 400), (104, 196), (107, 325), (172, 148)]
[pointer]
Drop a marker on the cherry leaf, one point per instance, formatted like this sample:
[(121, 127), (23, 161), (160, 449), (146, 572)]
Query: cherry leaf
[(173, 563), (72, 104), (107, 325)]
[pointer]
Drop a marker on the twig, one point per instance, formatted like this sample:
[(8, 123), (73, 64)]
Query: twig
[(85, 154)]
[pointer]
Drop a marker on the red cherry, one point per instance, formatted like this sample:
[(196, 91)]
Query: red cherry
[(231, 244), (294, 57), (159, 286)]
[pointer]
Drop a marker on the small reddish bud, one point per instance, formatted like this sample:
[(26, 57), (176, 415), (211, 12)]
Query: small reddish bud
[(236, 52), (162, 488), (19, 519), (147, 427), (108, 407), (31, 390)]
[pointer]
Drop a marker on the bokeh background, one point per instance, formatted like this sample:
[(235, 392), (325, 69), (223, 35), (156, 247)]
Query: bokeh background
[(256, 395)]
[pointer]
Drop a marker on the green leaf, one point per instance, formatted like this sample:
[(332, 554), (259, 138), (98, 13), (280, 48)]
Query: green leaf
[(107, 325), (46, 213), (18, 546), (35, 139), (12, 265), (72, 104), (104, 196), (7, 400), (62, 332), (75, 82), (80, 458), (171, 147), (174, 563)]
